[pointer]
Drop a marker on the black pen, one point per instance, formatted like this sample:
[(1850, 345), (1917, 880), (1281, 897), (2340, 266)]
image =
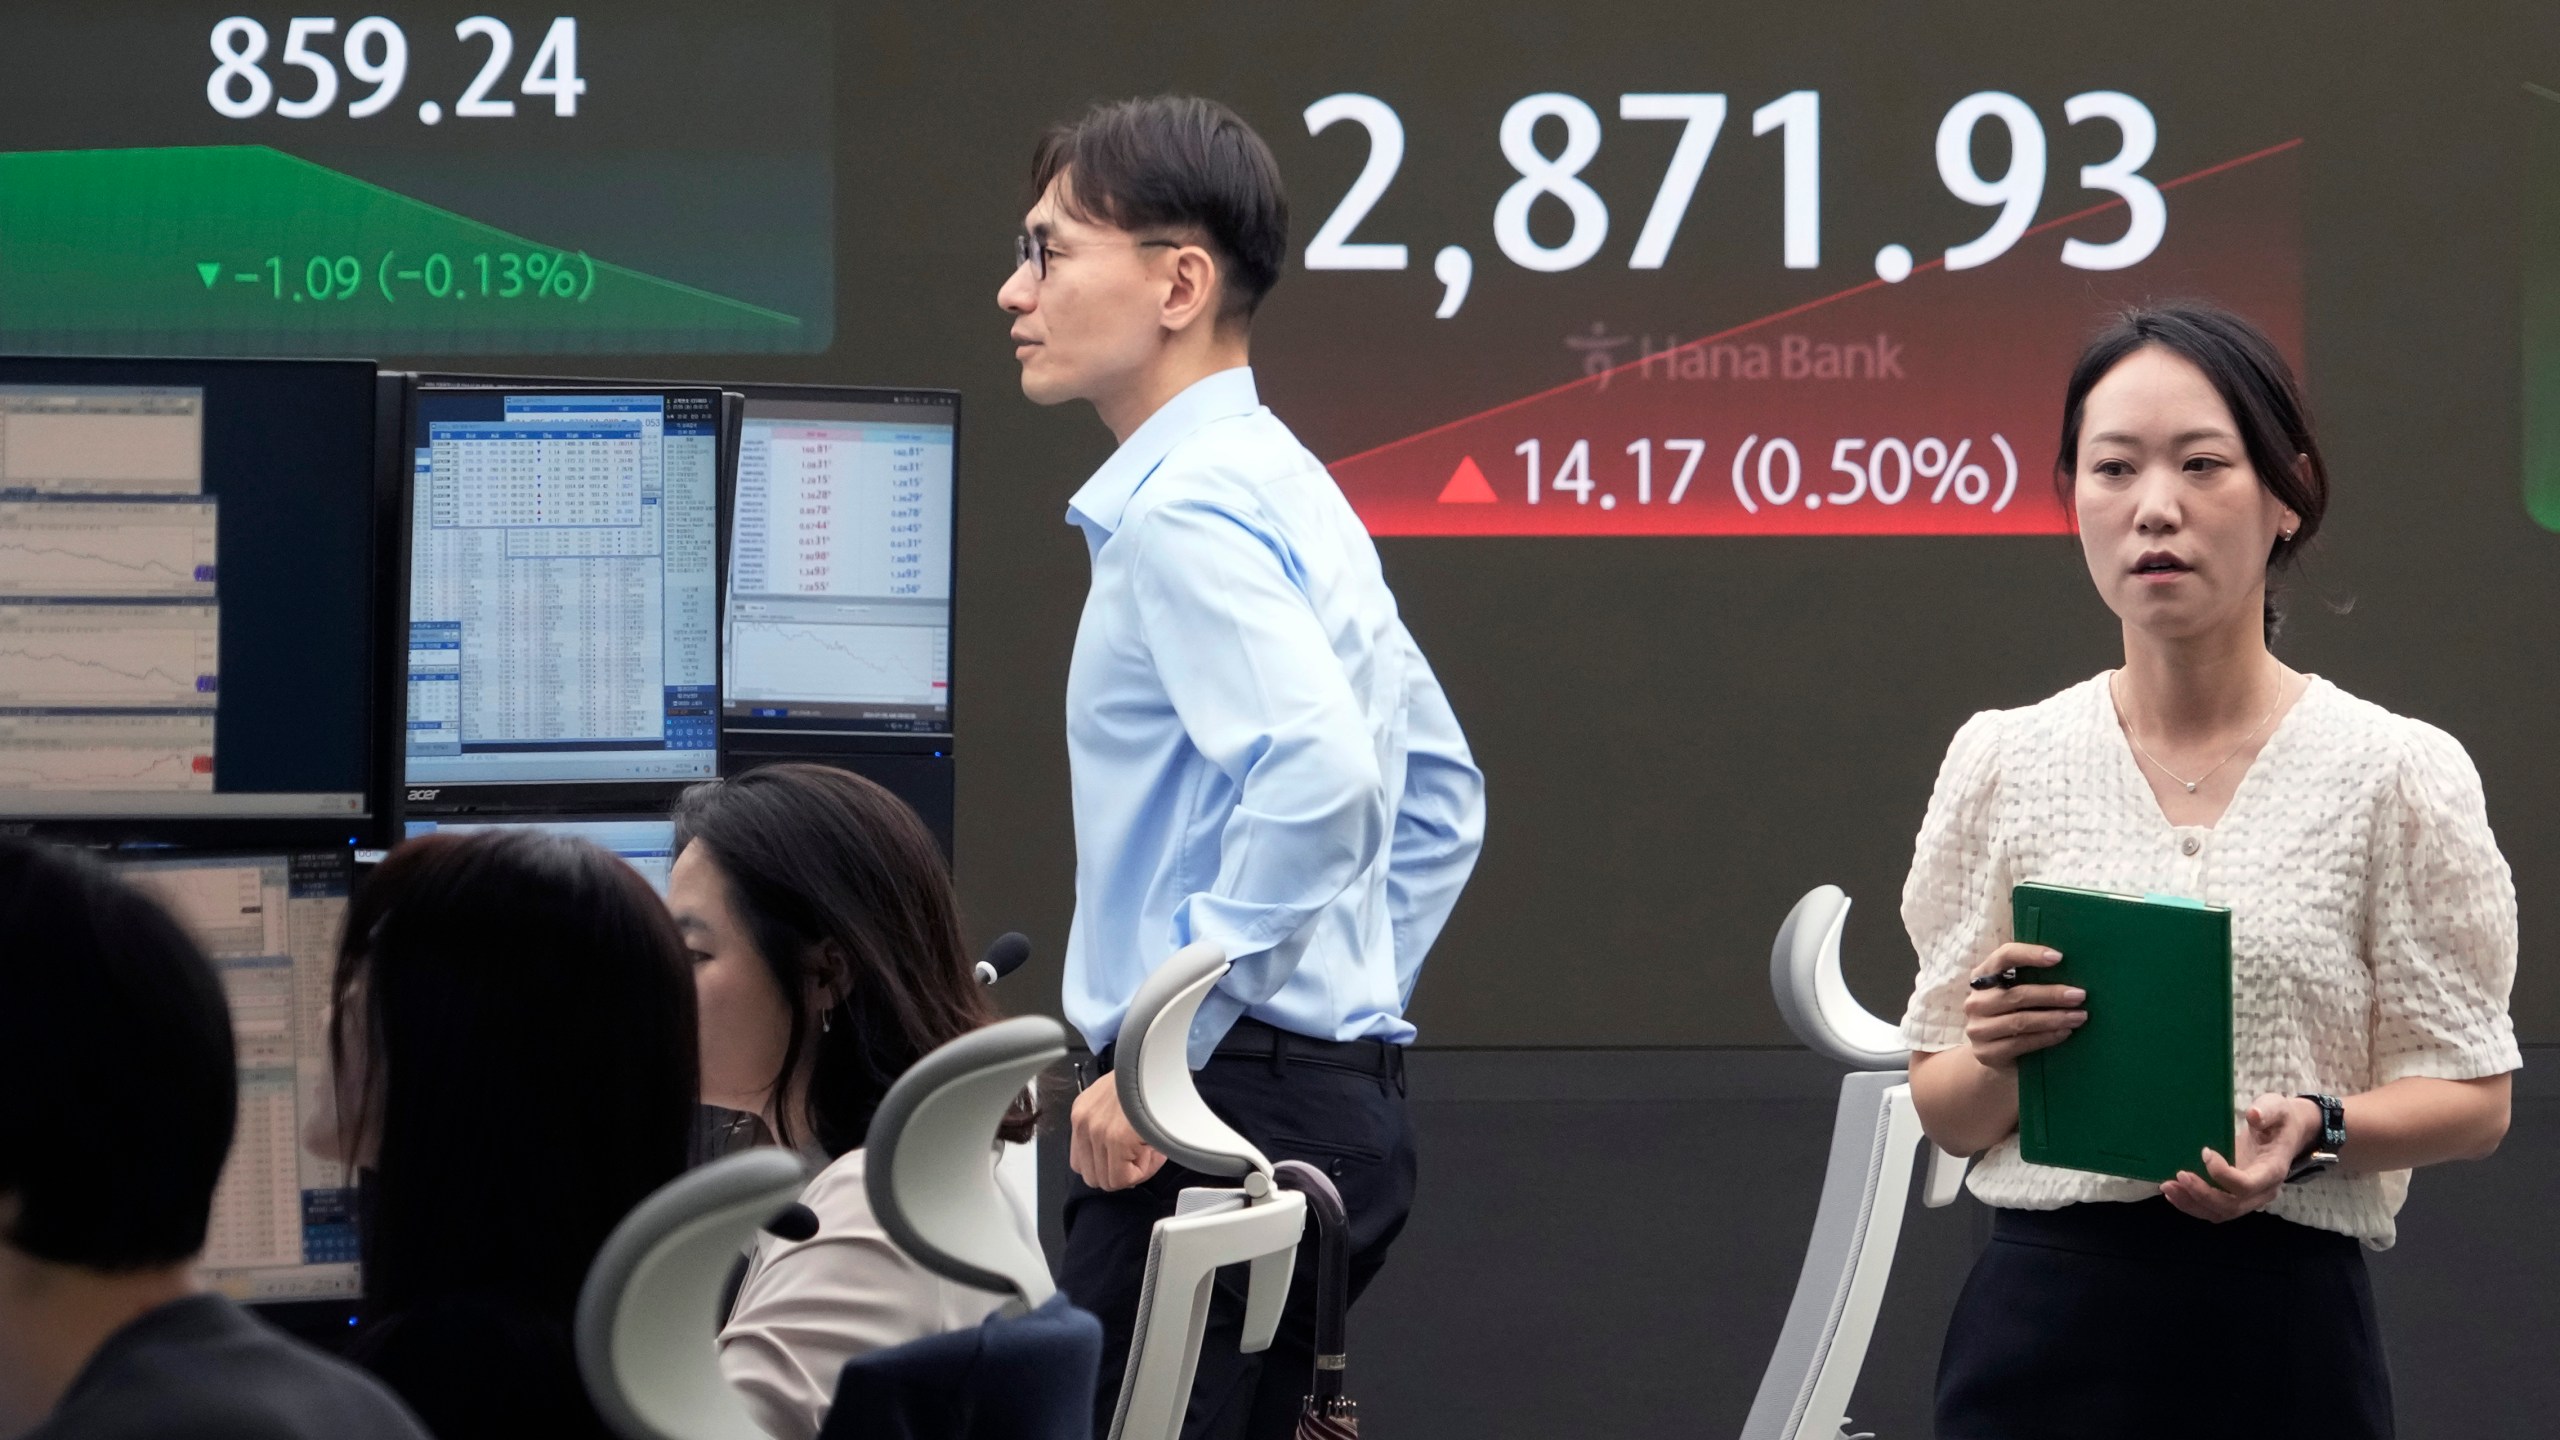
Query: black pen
[(2002, 981)]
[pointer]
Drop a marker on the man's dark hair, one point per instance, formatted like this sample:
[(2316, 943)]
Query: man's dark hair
[(2250, 374), (1182, 164), (527, 1016), (826, 869), (117, 1082)]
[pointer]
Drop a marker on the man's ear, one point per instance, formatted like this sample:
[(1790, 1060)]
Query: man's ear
[(1193, 298)]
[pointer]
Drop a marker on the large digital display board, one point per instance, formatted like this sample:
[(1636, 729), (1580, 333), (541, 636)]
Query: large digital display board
[(426, 180)]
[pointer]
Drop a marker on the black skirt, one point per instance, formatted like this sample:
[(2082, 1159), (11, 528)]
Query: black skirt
[(2103, 1320)]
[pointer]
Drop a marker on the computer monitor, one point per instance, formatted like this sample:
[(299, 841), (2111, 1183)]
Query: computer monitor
[(647, 843), (284, 1225), (838, 615), (188, 586), (563, 617)]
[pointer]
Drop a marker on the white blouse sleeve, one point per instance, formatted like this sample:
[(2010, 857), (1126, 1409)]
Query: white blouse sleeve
[(1956, 902), (2441, 923), (807, 1307)]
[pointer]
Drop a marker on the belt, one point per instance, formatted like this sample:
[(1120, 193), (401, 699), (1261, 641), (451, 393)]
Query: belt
[(1251, 1039)]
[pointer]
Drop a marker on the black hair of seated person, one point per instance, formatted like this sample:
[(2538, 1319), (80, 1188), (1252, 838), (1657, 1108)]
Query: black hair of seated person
[(829, 872), (528, 1047), (118, 1087)]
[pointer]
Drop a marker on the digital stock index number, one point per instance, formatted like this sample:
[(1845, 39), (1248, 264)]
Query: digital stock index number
[(1908, 402), (375, 52), (1795, 118)]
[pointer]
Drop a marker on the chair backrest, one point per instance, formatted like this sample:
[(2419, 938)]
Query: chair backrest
[(648, 1324), (1151, 1065), (929, 1161), (1258, 1224), (1804, 974)]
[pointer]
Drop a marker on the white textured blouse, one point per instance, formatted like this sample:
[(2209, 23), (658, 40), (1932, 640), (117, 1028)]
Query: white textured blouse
[(2373, 921)]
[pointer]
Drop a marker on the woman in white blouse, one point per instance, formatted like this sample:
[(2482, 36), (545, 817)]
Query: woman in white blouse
[(2373, 941), (827, 959)]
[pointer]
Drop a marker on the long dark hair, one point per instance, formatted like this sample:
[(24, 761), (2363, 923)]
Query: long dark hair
[(835, 879), (2256, 385), (529, 1041)]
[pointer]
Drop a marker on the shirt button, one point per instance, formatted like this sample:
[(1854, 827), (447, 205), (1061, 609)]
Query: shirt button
[(2190, 845)]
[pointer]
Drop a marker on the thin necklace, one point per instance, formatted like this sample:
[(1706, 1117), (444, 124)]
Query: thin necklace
[(2191, 785)]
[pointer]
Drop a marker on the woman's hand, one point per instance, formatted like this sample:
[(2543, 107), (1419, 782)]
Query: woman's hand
[(2280, 1128), (2001, 1025)]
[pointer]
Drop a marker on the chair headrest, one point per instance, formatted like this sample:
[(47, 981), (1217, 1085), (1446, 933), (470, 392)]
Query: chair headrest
[(929, 1158), (647, 1327), (1152, 1068), (1804, 973)]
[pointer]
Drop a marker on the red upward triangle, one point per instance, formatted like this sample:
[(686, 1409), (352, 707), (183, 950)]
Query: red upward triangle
[(1467, 486)]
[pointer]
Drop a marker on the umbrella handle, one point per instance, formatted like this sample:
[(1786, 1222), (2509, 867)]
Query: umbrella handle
[(1333, 1268)]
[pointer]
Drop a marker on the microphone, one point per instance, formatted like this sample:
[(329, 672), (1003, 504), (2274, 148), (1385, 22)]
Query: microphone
[(1004, 957)]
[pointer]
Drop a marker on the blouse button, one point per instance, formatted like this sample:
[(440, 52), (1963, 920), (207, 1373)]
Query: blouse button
[(2190, 845)]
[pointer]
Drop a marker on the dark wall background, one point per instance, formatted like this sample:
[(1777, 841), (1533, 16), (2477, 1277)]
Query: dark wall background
[(1683, 735)]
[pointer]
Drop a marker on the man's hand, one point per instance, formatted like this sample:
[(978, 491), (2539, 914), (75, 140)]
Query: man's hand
[(1103, 1148), (2280, 1128)]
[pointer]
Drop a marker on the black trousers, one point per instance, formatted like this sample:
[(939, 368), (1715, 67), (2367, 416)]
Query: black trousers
[(2099, 1321), (1339, 1106)]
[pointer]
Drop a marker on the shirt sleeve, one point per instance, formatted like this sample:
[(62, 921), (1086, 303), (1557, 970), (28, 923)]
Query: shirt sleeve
[(807, 1307), (1439, 825), (2442, 936), (1955, 904), (1262, 696)]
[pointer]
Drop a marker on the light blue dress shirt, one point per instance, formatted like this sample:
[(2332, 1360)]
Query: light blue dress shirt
[(1260, 754)]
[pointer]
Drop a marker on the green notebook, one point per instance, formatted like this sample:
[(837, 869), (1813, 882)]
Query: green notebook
[(2145, 1085)]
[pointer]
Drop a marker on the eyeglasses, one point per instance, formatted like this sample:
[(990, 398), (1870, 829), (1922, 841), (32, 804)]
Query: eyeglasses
[(1035, 253)]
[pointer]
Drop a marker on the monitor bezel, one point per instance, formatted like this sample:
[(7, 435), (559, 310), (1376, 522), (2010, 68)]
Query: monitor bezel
[(819, 735), (568, 799), (256, 833)]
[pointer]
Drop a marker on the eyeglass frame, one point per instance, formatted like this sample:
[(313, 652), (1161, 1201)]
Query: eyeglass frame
[(1033, 251)]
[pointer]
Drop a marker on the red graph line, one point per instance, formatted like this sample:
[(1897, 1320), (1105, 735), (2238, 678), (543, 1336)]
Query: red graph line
[(1794, 310)]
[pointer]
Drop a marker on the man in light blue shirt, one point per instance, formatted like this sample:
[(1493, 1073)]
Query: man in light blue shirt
[(1261, 756)]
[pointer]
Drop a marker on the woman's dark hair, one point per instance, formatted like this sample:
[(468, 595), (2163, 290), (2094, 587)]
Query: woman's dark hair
[(838, 883), (528, 1035), (117, 1083), (1176, 162), (2256, 385)]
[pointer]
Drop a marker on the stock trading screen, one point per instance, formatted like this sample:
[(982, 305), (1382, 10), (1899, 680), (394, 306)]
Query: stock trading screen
[(563, 555), (839, 614), (428, 180), (147, 511)]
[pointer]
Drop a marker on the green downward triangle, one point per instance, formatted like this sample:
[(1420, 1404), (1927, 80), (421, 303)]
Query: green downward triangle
[(208, 269)]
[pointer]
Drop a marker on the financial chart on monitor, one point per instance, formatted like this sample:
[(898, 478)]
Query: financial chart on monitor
[(562, 589), (185, 589), (283, 1223), (646, 843), (839, 615)]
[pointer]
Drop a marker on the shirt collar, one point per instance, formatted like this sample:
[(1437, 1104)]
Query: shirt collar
[(1099, 506)]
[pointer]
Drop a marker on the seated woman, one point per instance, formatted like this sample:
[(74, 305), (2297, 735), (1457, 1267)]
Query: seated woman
[(513, 1037), (828, 959)]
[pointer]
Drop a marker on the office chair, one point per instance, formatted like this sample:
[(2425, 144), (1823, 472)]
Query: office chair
[(648, 1315), (1257, 1223), (1028, 1371), (1865, 1188)]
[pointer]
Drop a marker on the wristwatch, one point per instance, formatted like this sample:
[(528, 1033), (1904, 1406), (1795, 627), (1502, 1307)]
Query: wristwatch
[(2323, 1154)]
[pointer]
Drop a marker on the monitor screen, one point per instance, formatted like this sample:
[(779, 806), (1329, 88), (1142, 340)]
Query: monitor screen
[(283, 1217), (564, 551), (839, 606), (186, 589), (645, 843)]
